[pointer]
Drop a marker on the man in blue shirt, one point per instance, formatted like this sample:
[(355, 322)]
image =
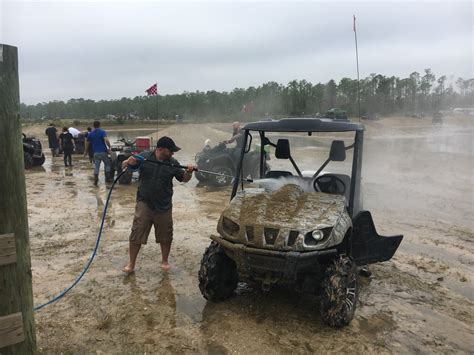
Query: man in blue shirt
[(101, 148)]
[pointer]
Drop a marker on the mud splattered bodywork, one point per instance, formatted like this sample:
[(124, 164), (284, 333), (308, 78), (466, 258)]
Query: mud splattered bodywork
[(285, 219), (312, 240)]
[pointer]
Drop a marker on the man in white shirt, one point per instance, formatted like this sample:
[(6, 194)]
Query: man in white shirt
[(75, 132)]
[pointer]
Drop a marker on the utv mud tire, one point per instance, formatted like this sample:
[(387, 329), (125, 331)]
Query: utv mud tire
[(221, 181), (110, 176), (218, 274), (39, 161), (201, 177), (339, 295), (126, 178), (28, 159)]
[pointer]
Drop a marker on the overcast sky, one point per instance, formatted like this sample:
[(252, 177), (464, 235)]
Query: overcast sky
[(114, 49)]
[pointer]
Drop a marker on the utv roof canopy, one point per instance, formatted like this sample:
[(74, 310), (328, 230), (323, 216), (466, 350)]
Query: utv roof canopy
[(303, 125)]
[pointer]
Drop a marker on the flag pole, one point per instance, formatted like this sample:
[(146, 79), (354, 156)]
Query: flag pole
[(156, 108), (357, 62), (153, 92)]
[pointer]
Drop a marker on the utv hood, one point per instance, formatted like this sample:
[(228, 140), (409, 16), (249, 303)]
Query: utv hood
[(290, 208)]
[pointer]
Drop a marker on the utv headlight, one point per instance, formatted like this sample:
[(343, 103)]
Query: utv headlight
[(314, 237), (317, 235), (230, 227)]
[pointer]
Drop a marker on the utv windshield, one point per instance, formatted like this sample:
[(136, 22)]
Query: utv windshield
[(327, 162)]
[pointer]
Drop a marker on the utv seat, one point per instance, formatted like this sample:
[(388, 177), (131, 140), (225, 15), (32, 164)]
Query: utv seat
[(347, 183), (275, 174)]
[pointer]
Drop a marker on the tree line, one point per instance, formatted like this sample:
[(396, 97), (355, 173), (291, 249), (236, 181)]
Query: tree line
[(379, 94)]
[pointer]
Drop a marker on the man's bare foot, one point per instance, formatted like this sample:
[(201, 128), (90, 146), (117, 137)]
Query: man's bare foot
[(128, 269), (165, 266)]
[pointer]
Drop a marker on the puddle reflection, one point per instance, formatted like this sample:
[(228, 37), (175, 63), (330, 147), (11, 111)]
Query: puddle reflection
[(163, 302)]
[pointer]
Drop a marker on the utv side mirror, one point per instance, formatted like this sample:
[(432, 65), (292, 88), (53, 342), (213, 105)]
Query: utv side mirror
[(338, 151), (282, 150)]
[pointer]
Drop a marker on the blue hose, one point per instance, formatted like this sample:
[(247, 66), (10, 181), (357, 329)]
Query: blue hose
[(91, 258)]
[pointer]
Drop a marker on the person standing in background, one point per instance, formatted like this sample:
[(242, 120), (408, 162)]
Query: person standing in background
[(67, 144), (237, 135), (89, 150), (101, 148), (53, 140), (75, 135)]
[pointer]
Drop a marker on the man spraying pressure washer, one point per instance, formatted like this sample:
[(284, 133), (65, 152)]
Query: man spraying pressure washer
[(154, 199)]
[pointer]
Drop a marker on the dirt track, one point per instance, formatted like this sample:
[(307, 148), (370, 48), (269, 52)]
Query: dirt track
[(417, 180)]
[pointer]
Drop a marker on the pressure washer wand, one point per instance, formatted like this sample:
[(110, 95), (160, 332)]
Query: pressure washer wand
[(142, 159)]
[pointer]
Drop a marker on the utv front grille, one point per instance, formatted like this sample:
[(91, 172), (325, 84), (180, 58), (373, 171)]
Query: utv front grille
[(292, 238), (271, 235), (249, 231)]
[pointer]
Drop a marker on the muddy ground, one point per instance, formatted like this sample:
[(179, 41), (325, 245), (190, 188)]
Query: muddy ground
[(417, 182)]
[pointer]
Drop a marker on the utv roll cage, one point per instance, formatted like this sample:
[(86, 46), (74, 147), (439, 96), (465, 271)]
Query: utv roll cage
[(309, 126)]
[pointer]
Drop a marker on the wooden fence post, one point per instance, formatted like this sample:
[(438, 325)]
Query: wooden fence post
[(17, 330)]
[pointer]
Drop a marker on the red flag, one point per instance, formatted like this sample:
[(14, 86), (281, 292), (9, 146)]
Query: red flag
[(152, 90), (354, 26)]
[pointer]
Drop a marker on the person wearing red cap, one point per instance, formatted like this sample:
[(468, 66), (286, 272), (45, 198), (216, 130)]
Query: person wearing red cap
[(154, 200)]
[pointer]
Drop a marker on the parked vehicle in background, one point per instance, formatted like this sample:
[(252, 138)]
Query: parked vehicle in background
[(32, 152), (437, 118), (415, 114), (336, 114), (370, 117), (123, 149), (80, 143)]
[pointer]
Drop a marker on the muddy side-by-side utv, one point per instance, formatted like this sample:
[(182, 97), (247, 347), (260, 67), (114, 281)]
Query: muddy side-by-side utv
[(306, 231)]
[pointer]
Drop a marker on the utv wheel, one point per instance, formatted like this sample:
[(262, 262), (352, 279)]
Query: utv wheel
[(39, 161), (221, 180), (218, 274), (28, 159), (109, 177), (126, 178), (200, 176), (340, 288)]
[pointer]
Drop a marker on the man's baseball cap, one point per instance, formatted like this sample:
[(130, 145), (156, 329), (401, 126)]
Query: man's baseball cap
[(167, 142)]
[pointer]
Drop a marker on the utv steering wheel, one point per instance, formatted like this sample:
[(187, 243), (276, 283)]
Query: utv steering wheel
[(329, 184)]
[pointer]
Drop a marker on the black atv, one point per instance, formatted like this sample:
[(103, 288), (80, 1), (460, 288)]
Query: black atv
[(32, 152), (223, 160), (80, 143), (121, 152)]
